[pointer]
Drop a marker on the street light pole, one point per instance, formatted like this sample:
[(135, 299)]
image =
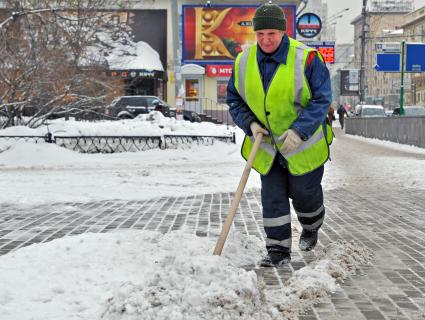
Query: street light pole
[(338, 13), (362, 53), (176, 44), (402, 79)]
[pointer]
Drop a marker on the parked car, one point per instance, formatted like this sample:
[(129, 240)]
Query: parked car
[(368, 110), (388, 113), (191, 116), (410, 111), (129, 107)]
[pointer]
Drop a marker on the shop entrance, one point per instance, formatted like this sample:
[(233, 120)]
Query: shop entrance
[(194, 88), (193, 84)]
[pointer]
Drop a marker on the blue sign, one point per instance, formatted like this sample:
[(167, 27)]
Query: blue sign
[(309, 25), (415, 57), (387, 62)]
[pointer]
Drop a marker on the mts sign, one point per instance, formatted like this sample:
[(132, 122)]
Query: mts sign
[(219, 70)]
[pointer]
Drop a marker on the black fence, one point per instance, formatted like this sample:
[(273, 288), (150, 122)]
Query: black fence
[(112, 144)]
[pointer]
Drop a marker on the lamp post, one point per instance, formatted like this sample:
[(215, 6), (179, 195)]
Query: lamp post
[(176, 44), (331, 20), (337, 14), (402, 78), (362, 53)]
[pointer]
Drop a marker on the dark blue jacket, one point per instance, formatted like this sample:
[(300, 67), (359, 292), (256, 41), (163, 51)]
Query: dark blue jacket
[(312, 115)]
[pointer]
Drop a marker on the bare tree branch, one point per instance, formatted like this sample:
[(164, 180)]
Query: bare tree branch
[(53, 57)]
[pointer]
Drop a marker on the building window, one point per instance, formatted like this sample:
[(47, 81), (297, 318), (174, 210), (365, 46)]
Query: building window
[(221, 91)]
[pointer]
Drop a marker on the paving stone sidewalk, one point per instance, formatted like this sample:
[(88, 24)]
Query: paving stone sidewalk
[(388, 222)]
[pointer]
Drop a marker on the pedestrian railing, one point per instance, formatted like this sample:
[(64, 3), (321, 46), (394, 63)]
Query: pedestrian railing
[(209, 109), (113, 144), (35, 139), (404, 129)]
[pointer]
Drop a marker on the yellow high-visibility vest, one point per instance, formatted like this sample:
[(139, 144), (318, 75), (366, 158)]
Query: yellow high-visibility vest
[(278, 107)]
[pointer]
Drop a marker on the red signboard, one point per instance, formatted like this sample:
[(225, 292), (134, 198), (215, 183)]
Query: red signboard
[(328, 54), (219, 33), (326, 48), (222, 70)]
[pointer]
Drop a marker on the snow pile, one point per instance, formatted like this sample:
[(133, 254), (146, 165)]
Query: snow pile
[(152, 124), (132, 275), (344, 258), (148, 275), (309, 284), (36, 155), (190, 283)]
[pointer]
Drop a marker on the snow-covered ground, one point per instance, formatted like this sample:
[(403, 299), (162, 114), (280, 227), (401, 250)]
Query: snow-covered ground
[(141, 274), (64, 175)]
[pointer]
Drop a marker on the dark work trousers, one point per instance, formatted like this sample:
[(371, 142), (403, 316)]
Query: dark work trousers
[(307, 199), (341, 121)]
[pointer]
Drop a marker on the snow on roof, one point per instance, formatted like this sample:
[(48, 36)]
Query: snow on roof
[(144, 57)]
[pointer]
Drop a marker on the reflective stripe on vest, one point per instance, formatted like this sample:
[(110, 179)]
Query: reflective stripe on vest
[(284, 101)]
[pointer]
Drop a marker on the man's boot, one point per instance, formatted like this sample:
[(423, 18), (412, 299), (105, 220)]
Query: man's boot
[(276, 256), (308, 239)]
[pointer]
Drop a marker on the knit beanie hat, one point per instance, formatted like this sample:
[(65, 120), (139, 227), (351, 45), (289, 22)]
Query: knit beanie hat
[(269, 16)]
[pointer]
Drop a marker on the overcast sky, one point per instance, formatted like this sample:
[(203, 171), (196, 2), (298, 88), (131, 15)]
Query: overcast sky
[(344, 30)]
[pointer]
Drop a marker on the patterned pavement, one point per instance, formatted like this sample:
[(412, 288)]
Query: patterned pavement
[(392, 226)]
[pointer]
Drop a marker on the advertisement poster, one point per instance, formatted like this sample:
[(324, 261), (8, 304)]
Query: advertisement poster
[(349, 82), (216, 34), (309, 25), (326, 48)]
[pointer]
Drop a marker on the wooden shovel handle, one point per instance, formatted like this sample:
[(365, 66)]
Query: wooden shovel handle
[(238, 195)]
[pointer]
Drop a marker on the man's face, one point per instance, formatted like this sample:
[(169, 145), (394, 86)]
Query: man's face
[(269, 39)]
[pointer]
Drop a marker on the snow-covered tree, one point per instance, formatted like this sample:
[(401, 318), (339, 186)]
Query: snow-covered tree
[(53, 57)]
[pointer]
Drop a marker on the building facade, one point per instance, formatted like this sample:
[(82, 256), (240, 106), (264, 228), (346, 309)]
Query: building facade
[(189, 82), (414, 31), (382, 26)]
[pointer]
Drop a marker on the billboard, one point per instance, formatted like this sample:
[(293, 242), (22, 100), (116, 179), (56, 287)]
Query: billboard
[(349, 82), (216, 34)]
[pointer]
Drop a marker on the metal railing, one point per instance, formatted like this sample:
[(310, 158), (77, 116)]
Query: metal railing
[(405, 129), (35, 139), (112, 144), (210, 109), (108, 144)]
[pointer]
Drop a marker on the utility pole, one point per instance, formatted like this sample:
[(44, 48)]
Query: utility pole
[(362, 53), (402, 79)]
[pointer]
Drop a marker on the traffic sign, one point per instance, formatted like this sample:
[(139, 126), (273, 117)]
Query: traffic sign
[(415, 53), (387, 62), (388, 47)]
